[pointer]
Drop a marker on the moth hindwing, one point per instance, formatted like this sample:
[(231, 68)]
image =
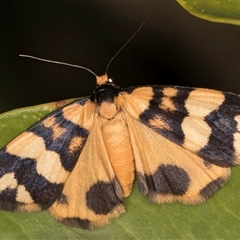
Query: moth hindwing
[(80, 161)]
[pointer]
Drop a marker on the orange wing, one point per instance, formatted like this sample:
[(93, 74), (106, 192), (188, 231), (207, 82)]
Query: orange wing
[(36, 164), (174, 134), (92, 195)]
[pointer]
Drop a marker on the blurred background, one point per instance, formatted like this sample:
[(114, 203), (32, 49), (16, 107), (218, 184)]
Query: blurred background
[(172, 48)]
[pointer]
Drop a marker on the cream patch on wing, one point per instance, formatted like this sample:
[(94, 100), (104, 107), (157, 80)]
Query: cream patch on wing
[(199, 104), (29, 145), (23, 195), (8, 181)]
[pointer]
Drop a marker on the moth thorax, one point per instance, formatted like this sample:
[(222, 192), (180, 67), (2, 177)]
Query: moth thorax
[(106, 98), (108, 110)]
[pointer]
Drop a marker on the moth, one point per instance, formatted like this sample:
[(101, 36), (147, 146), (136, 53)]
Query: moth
[(81, 160)]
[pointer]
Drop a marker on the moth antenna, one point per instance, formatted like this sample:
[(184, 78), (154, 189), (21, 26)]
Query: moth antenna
[(126, 43), (62, 63)]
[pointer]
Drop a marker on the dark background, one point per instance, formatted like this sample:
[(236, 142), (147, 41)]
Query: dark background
[(173, 47)]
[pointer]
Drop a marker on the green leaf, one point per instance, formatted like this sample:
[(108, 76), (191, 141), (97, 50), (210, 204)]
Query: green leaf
[(216, 10), (219, 217)]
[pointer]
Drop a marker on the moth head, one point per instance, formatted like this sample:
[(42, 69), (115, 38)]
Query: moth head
[(103, 80)]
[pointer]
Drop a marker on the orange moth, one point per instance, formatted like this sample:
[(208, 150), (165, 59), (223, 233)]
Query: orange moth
[(81, 160)]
